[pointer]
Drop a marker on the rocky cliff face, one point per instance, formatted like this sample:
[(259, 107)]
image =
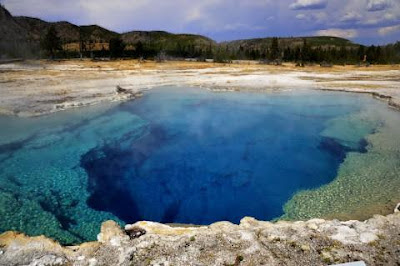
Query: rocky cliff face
[(18, 34), (314, 242), (10, 30), (15, 40)]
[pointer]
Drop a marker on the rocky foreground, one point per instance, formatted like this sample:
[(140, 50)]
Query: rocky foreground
[(314, 242)]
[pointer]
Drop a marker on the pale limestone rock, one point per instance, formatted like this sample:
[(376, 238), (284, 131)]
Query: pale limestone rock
[(314, 242), (312, 226), (368, 237), (111, 233), (92, 262), (49, 260), (397, 209)]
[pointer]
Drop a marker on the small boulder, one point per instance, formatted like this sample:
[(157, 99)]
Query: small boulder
[(121, 90), (134, 231), (397, 209)]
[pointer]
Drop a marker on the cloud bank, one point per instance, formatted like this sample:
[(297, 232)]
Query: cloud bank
[(378, 5), (347, 34), (363, 21), (308, 4)]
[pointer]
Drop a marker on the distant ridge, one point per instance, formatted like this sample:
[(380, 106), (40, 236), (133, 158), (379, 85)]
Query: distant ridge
[(291, 42), (20, 38), (68, 32), (21, 31)]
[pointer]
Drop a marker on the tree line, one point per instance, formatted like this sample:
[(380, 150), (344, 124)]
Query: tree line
[(388, 54), (273, 53)]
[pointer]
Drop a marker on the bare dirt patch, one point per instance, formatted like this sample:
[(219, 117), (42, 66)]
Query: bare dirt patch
[(25, 85)]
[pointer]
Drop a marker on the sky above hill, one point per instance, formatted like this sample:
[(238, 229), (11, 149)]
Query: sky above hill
[(363, 21)]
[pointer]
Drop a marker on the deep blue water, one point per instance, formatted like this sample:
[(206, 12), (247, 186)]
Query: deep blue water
[(207, 157), (176, 155)]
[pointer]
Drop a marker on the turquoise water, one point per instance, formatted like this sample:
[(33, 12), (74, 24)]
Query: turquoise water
[(176, 155)]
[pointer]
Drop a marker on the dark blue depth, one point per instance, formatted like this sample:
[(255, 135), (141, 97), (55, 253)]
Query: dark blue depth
[(206, 157)]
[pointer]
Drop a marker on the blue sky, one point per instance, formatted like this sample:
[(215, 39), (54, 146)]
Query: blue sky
[(363, 21)]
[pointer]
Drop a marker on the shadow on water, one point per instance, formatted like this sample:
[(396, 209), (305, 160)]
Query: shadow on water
[(9, 148), (60, 208), (111, 167), (338, 150), (108, 169), (108, 192)]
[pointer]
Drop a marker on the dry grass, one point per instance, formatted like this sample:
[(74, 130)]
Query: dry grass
[(354, 86), (183, 65)]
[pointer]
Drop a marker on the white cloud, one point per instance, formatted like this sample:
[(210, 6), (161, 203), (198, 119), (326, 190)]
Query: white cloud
[(224, 19), (120, 15), (371, 22), (388, 18), (319, 17), (256, 3), (301, 16), (308, 4), (350, 17), (203, 16), (378, 5), (198, 11), (391, 16), (389, 30), (342, 33)]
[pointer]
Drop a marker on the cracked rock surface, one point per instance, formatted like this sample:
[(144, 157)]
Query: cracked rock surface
[(314, 242)]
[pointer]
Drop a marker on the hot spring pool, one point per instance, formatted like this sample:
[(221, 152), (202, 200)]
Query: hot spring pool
[(185, 155)]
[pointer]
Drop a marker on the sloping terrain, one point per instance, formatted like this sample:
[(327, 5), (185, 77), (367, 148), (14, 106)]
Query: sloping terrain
[(293, 42), (10, 29), (20, 37), (15, 40), (165, 38), (67, 32)]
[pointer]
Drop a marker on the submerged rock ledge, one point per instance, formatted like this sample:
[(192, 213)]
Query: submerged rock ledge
[(314, 242)]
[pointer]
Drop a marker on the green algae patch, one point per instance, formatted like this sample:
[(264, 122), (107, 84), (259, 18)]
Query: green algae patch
[(366, 183), (44, 191)]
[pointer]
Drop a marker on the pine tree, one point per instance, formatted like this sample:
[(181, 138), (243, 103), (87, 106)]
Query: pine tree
[(371, 54), (361, 52), (209, 52), (274, 48), (117, 47), (139, 49), (51, 42), (305, 52), (343, 54)]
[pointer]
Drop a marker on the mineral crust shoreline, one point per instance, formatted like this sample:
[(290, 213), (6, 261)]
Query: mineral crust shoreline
[(315, 242), (34, 88)]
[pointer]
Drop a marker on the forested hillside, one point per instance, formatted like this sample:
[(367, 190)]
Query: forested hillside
[(25, 37)]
